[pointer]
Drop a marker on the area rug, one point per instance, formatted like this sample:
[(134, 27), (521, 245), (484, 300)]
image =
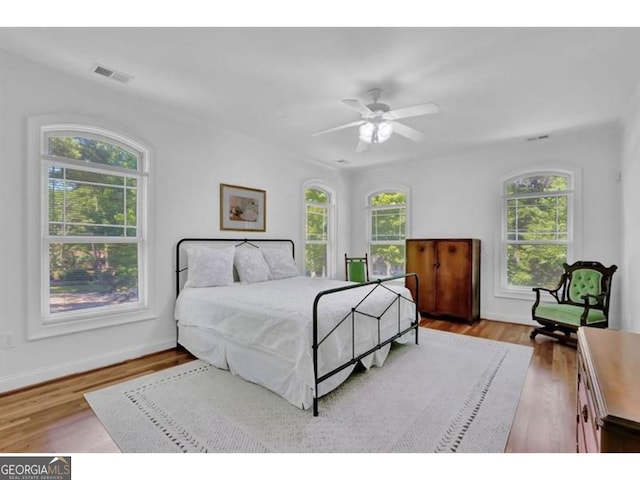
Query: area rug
[(450, 393)]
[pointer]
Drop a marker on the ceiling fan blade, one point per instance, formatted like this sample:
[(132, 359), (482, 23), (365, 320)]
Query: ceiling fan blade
[(406, 131), (362, 146), (416, 110), (358, 106), (352, 124)]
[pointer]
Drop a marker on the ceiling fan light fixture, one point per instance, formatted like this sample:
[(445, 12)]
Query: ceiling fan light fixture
[(375, 132)]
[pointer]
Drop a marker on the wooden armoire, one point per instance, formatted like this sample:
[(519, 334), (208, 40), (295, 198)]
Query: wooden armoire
[(449, 276)]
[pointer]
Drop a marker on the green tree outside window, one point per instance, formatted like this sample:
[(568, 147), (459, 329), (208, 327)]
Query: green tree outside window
[(101, 202), (317, 203), (388, 221), (537, 229)]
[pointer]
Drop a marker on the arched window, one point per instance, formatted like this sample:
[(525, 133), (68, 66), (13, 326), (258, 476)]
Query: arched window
[(387, 232), (537, 233), (93, 224), (318, 238)]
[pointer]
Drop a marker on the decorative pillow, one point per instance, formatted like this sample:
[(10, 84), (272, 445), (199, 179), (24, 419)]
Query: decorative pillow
[(281, 263), (209, 267), (251, 265)]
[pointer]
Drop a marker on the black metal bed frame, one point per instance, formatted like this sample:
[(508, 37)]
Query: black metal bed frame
[(380, 283)]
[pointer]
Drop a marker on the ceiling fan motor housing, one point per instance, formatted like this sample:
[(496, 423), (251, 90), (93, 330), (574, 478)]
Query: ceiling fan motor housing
[(378, 108)]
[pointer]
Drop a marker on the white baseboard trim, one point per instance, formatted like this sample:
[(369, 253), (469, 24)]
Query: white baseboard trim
[(524, 320), (52, 372)]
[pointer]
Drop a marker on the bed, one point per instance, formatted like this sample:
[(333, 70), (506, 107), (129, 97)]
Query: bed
[(243, 306)]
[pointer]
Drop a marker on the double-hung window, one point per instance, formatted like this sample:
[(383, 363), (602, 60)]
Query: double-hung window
[(318, 234), (387, 232), (93, 191), (537, 229)]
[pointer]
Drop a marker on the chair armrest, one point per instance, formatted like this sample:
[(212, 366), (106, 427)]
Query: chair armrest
[(552, 291), (599, 305), (598, 298)]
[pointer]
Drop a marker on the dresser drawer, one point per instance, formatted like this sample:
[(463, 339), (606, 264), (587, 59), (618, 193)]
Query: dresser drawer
[(588, 429), (608, 386)]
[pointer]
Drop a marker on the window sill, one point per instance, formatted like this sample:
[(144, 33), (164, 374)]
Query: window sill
[(39, 329), (516, 294)]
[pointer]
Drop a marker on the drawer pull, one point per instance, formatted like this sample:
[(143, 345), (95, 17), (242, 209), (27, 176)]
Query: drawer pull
[(585, 413)]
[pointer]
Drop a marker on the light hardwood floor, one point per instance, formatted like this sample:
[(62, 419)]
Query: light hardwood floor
[(54, 417)]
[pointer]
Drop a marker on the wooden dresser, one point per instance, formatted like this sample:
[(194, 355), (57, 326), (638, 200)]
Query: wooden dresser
[(608, 416), (449, 274)]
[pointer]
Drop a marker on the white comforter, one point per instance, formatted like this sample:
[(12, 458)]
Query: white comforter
[(275, 317)]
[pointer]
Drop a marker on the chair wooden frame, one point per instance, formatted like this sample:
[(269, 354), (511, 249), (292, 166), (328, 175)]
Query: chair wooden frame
[(560, 330), (361, 260)]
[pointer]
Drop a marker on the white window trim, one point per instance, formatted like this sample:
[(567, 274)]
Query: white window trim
[(40, 325), (331, 225), (574, 226), (368, 208)]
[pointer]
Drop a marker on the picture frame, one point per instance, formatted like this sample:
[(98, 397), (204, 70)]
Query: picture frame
[(242, 208)]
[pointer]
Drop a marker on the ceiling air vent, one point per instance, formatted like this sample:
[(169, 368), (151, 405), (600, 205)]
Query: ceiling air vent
[(540, 137), (111, 73)]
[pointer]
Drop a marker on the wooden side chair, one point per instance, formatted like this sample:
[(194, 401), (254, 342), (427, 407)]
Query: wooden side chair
[(356, 268), (581, 299)]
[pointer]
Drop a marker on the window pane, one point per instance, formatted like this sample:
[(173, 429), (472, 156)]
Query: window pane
[(314, 195), (317, 232), (535, 265), (387, 260), (538, 184), (315, 257), (388, 224), (388, 198), (131, 207), (316, 223), (94, 204), (90, 275), (56, 199), (539, 218), (89, 203), (94, 151)]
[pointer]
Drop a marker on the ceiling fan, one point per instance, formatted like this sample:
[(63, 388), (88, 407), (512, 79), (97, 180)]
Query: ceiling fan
[(378, 121)]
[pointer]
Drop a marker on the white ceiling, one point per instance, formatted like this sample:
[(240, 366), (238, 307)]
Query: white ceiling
[(283, 84)]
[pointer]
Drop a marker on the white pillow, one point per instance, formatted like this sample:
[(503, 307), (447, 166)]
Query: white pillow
[(209, 267), (281, 263), (251, 265)]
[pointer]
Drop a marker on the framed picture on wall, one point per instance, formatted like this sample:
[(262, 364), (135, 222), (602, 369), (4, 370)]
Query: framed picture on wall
[(242, 208)]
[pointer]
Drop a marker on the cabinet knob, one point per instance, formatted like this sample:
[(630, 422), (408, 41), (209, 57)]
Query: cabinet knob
[(585, 413)]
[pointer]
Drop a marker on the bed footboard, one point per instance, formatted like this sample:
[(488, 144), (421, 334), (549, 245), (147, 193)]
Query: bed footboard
[(397, 300)]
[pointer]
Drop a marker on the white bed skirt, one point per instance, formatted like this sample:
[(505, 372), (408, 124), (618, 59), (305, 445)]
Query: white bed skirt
[(273, 373)]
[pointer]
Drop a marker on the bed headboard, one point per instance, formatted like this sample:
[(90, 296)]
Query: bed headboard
[(181, 254)]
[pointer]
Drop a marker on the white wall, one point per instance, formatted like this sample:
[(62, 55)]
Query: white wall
[(455, 195), (630, 272), (458, 195), (189, 163)]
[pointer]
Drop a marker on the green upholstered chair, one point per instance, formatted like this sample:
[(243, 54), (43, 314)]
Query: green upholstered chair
[(581, 299), (356, 268)]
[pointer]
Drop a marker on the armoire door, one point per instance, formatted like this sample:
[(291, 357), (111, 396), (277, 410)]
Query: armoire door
[(421, 259), (452, 280)]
